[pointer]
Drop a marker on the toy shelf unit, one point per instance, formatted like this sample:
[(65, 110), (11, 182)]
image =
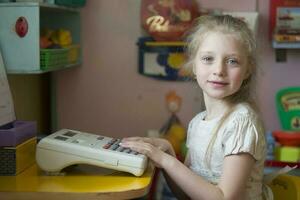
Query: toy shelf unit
[(284, 27), (21, 25)]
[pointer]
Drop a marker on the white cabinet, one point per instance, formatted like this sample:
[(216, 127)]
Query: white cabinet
[(21, 52), (34, 90)]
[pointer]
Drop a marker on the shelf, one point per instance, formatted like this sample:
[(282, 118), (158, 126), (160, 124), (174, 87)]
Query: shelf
[(42, 5), (286, 45), (282, 47), (43, 71), (170, 44)]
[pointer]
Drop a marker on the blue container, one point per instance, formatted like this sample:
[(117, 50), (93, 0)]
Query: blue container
[(270, 145)]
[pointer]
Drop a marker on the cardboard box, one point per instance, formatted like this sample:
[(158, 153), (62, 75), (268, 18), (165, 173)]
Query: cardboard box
[(14, 160)]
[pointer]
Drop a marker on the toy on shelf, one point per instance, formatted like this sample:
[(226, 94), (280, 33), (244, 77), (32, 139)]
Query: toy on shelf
[(55, 38), (286, 187), (173, 130), (167, 20), (285, 153), (284, 21), (287, 138), (57, 48), (284, 29), (288, 107)]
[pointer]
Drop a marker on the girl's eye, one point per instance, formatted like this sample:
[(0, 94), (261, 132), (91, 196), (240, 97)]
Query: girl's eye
[(207, 59), (232, 61)]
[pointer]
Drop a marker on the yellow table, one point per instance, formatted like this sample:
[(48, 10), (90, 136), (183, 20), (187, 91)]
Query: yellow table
[(79, 182)]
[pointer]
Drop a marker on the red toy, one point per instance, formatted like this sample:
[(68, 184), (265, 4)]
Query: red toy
[(287, 139)]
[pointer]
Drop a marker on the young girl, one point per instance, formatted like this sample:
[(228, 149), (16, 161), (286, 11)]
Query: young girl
[(226, 142)]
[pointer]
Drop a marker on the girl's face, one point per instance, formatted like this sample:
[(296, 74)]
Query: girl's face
[(220, 65)]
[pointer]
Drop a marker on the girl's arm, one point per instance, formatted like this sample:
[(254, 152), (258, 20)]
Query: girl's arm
[(177, 191), (165, 146), (232, 185), (236, 171)]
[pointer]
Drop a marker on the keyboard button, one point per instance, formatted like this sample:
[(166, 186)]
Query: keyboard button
[(114, 141), (107, 146), (69, 134), (60, 138), (127, 150), (134, 153), (121, 149), (100, 138), (114, 147)]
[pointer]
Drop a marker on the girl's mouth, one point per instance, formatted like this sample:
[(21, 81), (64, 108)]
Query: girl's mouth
[(218, 83)]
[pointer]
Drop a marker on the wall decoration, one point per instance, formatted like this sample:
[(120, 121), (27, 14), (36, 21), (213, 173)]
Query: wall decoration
[(162, 60), (167, 20)]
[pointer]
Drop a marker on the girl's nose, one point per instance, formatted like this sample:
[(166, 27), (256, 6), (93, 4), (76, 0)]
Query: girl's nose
[(219, 69)]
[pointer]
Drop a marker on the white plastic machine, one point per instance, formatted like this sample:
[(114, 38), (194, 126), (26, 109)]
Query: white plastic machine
[(68, 147)]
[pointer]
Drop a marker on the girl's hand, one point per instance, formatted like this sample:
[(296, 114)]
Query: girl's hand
[(160, 143), (155, 149)]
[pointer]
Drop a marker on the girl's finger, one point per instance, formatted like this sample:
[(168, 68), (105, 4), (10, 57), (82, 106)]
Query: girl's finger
[(141, 147), (132, 139)]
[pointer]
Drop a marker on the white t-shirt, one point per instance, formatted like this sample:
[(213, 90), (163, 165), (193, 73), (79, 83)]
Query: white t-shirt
[(240, 133)]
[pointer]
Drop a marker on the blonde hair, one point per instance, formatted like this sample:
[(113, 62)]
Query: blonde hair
[(225, 24)]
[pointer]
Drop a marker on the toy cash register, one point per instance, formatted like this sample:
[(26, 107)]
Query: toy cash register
[(68, 147)]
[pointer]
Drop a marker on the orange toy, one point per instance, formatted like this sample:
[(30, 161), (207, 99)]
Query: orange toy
[(173, 131)]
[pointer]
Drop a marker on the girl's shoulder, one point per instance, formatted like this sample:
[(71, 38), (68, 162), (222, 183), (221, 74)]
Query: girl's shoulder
[(243, 110), (244, 116)]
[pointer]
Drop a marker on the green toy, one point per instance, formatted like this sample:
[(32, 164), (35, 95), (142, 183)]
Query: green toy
[(288, 107)]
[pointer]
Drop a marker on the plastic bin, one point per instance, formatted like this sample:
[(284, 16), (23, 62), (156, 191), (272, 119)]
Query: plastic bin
[(52, 58)]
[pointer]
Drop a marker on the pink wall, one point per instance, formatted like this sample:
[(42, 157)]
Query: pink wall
[(106, 94)]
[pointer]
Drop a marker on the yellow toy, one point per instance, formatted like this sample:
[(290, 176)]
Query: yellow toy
[(173, 131), (286, 187), (62, 37), (55, 38)]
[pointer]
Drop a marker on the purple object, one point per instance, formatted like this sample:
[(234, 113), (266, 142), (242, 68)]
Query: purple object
[(17, 132)]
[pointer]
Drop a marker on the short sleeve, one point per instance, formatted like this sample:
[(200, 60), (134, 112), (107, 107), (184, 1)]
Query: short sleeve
[(244, 135)]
